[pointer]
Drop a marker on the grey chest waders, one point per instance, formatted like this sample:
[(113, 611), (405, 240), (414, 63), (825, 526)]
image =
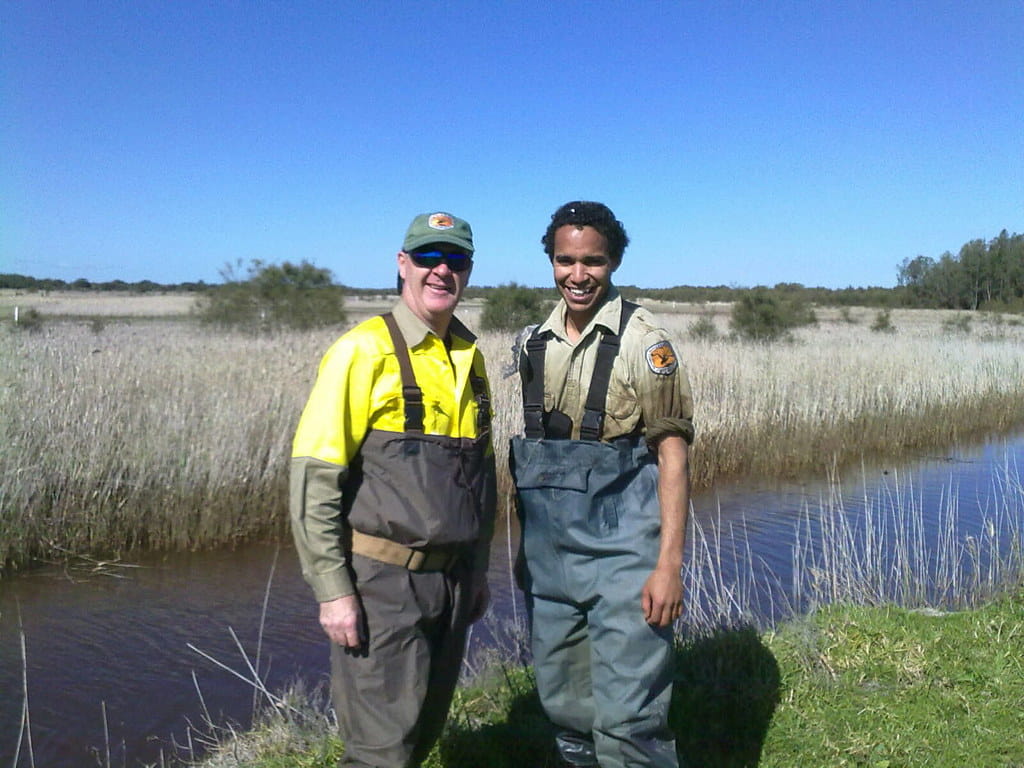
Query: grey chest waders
[(591, 529), (414, 503), (573, 494)]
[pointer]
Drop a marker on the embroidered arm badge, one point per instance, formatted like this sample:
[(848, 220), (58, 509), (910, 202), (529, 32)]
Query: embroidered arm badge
[(661, 358)]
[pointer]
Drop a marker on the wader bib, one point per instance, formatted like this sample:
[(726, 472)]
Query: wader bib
[(423, 495), (591, 528)]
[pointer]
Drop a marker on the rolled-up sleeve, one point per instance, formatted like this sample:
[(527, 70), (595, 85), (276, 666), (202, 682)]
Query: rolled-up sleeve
[(663, 388)]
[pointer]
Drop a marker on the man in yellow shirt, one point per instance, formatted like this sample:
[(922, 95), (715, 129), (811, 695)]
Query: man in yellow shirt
[(603, 490), (392, 502)]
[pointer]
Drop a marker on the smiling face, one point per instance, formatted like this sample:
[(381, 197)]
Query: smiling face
[(432, 294), (583, 273)]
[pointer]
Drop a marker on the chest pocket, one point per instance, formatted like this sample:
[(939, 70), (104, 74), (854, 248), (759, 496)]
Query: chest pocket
[(538, 413), (567, 477), (437, 416), (622, 402)]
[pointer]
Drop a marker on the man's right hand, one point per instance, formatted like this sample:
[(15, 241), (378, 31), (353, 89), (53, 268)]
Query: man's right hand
[(342, 620)]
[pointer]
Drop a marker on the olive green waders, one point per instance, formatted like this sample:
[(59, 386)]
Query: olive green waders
[(425, 494), (392, 699)]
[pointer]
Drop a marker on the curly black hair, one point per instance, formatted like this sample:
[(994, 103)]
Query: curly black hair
[(584, 213)]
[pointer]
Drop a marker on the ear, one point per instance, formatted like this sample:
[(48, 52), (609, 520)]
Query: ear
[(403, 263)]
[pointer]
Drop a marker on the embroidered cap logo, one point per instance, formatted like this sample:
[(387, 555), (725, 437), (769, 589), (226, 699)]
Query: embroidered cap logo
[(440, 221)]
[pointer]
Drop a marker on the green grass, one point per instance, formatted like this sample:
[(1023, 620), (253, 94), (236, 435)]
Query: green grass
[(886, 687), (847, 685)]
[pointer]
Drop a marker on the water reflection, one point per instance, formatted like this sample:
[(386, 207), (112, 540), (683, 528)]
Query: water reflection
[(762, 541), (108, 657)]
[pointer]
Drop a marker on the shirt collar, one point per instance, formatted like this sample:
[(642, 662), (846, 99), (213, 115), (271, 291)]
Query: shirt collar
[(607, 316), (414, 330)]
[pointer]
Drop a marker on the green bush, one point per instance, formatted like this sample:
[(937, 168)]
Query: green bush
[(759, 315), (959, 324), (510, 307), (273, 297), (883, 322), (30, 320), (703, 328)]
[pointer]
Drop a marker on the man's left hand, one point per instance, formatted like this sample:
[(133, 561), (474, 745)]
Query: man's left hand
[(662, 597), (481, 599)]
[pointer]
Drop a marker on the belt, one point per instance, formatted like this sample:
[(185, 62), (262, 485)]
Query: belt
[(387, 551)]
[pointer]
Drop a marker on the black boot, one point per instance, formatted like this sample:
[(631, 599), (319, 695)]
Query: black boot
[(576, 750)]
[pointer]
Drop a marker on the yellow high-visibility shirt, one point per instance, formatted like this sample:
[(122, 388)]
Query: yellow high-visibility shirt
[(358, 389)]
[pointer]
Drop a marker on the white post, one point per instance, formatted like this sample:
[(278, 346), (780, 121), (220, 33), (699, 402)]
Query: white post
[(15, 314)]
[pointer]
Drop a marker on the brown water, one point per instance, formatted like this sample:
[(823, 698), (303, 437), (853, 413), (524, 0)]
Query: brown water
[(107, 650)]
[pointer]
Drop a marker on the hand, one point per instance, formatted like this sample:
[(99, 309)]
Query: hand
[(662, 597), (519, 570), (342, 620), (481, 599)]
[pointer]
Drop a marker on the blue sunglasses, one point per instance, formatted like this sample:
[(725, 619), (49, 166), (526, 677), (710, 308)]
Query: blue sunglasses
[(457, 262)]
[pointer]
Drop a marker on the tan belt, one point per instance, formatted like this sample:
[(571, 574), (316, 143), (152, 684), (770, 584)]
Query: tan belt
[(388, 551)]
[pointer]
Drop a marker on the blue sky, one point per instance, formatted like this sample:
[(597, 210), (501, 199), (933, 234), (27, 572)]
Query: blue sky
[(740, 143)]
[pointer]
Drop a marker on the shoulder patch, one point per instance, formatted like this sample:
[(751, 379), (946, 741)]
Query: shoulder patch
[(661, 358)]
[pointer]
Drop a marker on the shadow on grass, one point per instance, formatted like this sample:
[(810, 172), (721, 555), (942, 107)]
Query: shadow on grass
[(525, 739), (726, 691)]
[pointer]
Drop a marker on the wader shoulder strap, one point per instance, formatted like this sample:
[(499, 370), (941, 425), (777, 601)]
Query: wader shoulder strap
[(483, 403), (533, 382), (533, 386), (412, 395), (593, 410)]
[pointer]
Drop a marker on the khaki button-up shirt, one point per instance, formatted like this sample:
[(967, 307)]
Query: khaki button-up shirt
[(649, 388)]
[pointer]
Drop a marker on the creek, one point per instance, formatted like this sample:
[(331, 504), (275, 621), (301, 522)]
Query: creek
[(110, 659)]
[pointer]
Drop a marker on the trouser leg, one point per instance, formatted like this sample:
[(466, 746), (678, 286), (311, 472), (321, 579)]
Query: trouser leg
[(392, 700), (449, 646), (632, 680), (561, 659)]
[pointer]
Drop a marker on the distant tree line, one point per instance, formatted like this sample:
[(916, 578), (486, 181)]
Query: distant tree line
[(684, 293), (984, 275), (25, 283), (981, 276)]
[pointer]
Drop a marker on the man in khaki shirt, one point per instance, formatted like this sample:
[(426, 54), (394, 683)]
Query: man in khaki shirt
[(603, 490)]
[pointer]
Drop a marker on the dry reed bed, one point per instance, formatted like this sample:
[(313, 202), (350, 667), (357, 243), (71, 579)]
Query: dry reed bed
[(96, 304), (842, 392), (169, 436)]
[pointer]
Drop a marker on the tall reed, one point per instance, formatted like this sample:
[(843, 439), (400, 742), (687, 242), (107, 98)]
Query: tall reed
[(841, 393), (170, 436)]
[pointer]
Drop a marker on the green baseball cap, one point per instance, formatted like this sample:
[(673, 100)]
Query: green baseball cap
[(438, 227)]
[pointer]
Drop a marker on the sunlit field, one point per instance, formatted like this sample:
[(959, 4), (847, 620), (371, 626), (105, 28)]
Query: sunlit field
[(88, 304), (169, 435)]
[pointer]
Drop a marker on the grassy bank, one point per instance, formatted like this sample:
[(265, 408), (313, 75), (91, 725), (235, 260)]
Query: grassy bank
[(136, 435), (844, 686), (905, 648)]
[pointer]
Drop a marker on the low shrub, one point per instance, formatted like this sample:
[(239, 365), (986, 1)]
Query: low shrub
[(273, 297), (703, 328), (883, 322), (959, 324), (759, 315), (30, 320), (510, 307)]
